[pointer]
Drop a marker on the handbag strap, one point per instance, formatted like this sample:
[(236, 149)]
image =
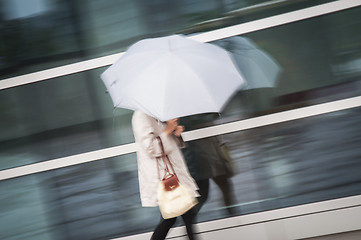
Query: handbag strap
[(165, 159)]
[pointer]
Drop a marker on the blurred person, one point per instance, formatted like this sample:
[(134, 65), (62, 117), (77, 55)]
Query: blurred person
[(146, 129), (207, 160)]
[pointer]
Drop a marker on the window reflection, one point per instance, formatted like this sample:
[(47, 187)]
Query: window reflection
[(15, 9), (303, 161), (288, 164), (73, 114), (38, 34), (314, 66), (42, 34), (58, 118)]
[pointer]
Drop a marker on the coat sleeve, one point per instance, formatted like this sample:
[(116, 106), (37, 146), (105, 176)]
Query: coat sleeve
[(146, 137)]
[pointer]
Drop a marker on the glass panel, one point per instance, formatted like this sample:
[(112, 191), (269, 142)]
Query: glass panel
[(281, 165), (293, 65), (305, 63), (63, 203), (41, 34), (58, 118), (23, 209), (296, 65)]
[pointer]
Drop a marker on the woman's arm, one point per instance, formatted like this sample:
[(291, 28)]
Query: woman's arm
[(145, 136)]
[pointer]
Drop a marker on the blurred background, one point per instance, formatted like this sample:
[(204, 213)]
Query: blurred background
[(307, 62)]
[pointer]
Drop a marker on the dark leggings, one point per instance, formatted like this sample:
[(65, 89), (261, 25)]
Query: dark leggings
[(163, 227)]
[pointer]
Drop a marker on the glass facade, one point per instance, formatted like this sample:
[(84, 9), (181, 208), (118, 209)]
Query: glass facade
[(289, 66), (302, 63), (276, 166), (61, 117), (39, 34)]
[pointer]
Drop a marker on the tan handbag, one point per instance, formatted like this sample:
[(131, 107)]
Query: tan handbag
[(174, 199)]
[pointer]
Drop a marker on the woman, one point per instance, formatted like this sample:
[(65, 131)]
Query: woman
[(146, 129)]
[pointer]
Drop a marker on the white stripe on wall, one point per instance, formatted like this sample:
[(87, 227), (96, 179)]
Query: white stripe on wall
[(298, 222), (277, 20), (187, 136), (204, 37)]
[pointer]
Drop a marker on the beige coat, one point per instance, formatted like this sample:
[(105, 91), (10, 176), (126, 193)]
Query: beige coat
[(146, 129)]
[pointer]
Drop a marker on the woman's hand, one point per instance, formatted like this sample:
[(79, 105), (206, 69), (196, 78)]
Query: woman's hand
[(173, 127), (178, 131)]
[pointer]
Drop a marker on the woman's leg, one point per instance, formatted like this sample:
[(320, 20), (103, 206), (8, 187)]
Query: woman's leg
[(162, 229), (188, 218), (226, 187)]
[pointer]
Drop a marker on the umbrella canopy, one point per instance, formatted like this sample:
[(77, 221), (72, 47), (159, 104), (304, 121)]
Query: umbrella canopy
[(259, 69), (170, 77)]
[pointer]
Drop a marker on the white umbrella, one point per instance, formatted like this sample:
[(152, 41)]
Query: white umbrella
[(170, 77), (259, 69)]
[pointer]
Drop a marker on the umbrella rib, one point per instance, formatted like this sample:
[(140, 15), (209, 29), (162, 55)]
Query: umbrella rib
[(184, 63)]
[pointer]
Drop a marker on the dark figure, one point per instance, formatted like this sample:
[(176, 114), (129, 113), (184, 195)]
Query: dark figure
[(206, 160)]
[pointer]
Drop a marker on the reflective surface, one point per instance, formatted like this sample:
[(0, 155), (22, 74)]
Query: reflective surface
[(287, 164), (309, 62), (276, 166), (41, 34), (58, 118)]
